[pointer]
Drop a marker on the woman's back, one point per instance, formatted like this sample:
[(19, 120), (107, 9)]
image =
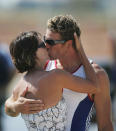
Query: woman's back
[(39, 87), (53, 117)]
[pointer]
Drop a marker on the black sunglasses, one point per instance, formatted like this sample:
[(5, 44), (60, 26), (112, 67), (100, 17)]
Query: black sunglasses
[(53, 42), (42, 45)]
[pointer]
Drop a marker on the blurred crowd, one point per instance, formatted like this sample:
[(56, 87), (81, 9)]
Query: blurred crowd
[(112, 73), (7, 72)]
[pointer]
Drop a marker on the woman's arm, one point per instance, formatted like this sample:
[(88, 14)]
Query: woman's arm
[(91, 76), (64, 79)]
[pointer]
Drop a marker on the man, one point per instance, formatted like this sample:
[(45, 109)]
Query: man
[(61, 45), (62, 28)]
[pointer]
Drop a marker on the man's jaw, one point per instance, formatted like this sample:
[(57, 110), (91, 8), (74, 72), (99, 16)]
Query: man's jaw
[(51, 58)]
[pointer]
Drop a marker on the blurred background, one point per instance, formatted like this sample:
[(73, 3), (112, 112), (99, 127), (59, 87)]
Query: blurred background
[(97, 20)]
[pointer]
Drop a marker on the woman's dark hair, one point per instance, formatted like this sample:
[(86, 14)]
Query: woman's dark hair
[(23, 50)]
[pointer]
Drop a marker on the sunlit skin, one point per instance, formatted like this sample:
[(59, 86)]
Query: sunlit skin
[(70, 59), (102, 100), (56, 51), (39, 89), (62, 52)]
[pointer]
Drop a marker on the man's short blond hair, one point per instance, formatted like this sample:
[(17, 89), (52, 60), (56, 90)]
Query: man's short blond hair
[(64, 25)]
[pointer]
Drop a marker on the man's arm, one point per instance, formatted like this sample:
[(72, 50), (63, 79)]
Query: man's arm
[(19, 104), (10, 107), (102, 101)]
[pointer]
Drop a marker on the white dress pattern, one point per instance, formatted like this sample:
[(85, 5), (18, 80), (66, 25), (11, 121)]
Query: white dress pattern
[(74, 101), (51, 119)]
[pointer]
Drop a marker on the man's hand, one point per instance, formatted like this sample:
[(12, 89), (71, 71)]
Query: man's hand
[(19, 104), (27, 106)]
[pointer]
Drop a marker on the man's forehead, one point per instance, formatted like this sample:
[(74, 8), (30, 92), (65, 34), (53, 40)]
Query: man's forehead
[(51, 34)]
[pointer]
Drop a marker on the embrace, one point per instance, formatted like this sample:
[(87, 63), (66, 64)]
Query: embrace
[(61, 87)]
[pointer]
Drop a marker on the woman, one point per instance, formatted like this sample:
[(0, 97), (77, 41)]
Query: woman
[(29, 55)]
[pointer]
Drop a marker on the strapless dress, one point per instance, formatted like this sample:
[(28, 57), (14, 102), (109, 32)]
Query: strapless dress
[(51, 119)]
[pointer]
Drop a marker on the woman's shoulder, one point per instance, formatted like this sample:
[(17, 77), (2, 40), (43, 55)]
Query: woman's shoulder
[(19, 87)]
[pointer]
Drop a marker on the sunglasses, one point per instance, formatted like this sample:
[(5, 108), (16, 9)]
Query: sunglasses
[(53, 42), (42, 45)]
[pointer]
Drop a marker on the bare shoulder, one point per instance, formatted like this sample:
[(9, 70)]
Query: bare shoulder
[(101, 75), (56, 76), (17, 89), (100, 72), (58, 72), (18, 85)]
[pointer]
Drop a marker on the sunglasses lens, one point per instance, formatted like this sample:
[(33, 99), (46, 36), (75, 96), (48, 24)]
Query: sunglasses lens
[(50, 42)]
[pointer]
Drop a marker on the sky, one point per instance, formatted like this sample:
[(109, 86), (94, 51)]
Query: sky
[(8, 3), (11, 3)]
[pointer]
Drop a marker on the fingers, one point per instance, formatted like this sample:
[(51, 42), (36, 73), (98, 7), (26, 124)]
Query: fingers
[(31, 112), (25, 101), (79, 46), (36, 108), (29, 106), (75, 36), (32, 108), (32, 101), (76, 41)]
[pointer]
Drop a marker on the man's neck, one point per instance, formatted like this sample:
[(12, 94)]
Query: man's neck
[(71, 62)]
